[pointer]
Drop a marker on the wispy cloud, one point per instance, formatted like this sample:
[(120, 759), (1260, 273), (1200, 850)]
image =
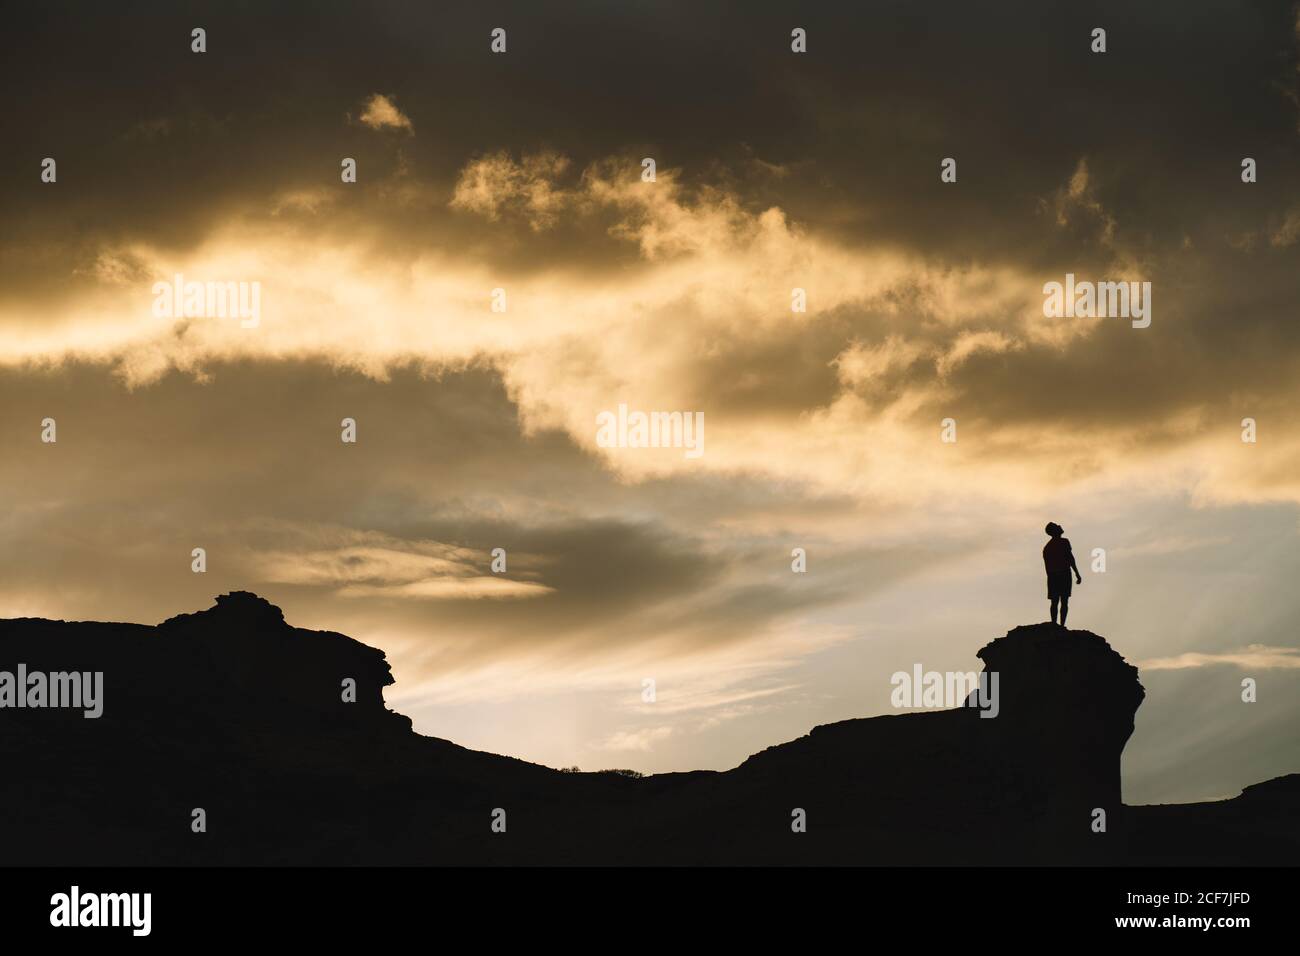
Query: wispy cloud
[(1252, 657), (378, 566), (641, 740), (1173, 544), (382, 113), (495, 184)]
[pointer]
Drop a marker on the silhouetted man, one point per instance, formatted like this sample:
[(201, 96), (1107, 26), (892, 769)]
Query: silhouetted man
[(1058, 558)]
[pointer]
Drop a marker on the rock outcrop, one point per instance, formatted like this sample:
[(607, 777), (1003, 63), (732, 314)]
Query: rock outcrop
[(234, 712)]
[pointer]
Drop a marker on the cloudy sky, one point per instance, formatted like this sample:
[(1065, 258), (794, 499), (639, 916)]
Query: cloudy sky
[(476, 429)]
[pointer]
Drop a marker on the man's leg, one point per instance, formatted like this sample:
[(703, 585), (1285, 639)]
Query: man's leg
[(1053, 610), (1065, 608)]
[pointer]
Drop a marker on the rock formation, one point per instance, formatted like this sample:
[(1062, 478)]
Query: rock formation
[(233, 711)]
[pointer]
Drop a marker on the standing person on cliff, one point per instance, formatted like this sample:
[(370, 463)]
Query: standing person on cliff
[(1058, 559)]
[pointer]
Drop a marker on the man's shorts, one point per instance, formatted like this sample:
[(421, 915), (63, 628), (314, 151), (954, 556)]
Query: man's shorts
[(1059, 584)]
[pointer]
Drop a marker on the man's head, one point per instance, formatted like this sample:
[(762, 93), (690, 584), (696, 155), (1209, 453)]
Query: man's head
[(1054, 529)]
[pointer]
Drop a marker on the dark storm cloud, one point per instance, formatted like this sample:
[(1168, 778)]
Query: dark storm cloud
[(161, 145), (156, 142)]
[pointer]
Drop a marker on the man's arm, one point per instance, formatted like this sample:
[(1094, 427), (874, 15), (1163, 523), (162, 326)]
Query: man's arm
[(1077, 576)]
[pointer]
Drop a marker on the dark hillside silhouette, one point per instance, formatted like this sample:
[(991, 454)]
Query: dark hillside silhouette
[(234, 711)]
